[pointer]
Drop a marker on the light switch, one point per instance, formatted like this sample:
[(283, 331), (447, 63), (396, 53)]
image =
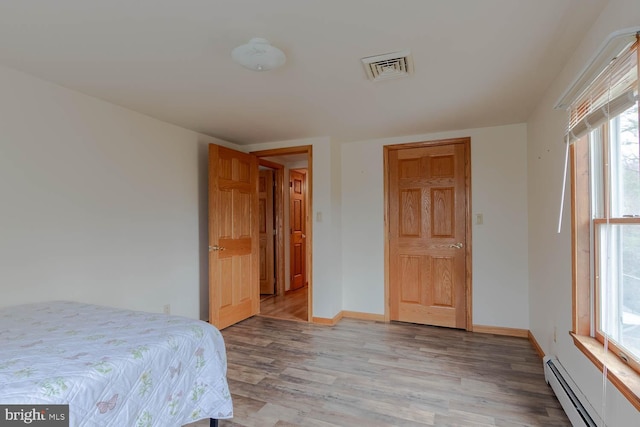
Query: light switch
[(318, 216), (479, 219)]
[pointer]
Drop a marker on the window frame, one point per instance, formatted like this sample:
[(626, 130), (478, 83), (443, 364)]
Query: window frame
[(622, 371)]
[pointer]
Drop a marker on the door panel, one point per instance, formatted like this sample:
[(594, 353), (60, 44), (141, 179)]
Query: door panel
[(266, 225), (233, 236), (297, 223), (427, 234)]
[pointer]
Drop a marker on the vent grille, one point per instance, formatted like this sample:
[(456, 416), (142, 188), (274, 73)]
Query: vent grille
[(388, 66)]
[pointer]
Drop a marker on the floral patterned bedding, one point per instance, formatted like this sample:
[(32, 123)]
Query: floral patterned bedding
[(113, 367)]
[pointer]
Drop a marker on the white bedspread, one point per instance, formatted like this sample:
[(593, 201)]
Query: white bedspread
[(113, 367)]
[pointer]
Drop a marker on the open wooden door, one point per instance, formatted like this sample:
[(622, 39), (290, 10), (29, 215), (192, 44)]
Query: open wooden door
[(298, 225), (267, 232), (428, 200), (234, 293)]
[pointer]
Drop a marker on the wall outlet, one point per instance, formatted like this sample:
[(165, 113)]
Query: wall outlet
[(166, 309)]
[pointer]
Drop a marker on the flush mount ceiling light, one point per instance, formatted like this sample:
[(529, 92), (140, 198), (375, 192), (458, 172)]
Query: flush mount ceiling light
[(258, 55)]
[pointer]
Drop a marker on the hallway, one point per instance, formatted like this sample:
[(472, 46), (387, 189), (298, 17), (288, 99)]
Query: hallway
[(291, 306)]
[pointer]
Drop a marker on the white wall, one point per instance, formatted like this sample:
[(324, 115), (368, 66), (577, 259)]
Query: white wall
[(498, 169), (334, 251), (98, 203), (104, 205), (326, 286), (550, 253)]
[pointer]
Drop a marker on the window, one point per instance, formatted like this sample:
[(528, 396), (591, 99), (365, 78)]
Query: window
[(605, 160), (616, 226)]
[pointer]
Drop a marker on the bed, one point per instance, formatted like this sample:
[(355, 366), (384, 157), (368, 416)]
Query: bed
[(114, 367)]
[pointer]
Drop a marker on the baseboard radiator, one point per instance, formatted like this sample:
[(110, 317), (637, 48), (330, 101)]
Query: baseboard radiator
[(574, 403)]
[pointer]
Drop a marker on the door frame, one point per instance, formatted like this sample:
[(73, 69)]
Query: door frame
[(308, 150), (467, 180)]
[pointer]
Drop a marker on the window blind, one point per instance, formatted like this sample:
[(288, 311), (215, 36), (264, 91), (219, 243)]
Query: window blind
[(613, 91), (608, 94)]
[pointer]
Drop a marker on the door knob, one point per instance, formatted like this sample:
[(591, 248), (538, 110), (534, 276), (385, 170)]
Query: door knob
[(216, 248), (458, 245)]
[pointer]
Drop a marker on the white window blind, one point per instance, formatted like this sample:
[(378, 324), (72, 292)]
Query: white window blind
[(613, 91), (607, 94)]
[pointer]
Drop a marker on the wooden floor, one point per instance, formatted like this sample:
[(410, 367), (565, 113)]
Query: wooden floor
[(292, 306), (364, 373)]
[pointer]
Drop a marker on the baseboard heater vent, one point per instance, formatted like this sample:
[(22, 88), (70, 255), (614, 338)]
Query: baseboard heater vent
[(574, 403)]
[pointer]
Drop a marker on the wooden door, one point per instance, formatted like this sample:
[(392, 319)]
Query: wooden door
[(266, 228), (427, 207), (297, 224), (233, 236)]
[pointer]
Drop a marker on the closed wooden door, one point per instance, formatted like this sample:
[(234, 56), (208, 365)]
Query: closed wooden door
[(234, 293), (266, 228), (297, 224), (428, 198)]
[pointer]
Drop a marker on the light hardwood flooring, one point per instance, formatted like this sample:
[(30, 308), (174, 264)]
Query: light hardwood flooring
[(292, 306), (364, 373)]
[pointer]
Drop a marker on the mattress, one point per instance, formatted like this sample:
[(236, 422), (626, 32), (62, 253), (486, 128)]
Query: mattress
[(114, 367)]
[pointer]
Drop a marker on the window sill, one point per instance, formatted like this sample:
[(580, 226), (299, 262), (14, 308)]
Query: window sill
[(623, 377)]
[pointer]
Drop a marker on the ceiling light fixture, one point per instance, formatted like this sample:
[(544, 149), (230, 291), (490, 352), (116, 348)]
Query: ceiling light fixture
[(258, 55)]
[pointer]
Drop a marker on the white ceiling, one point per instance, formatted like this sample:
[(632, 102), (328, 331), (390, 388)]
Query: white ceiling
[(477, 62)]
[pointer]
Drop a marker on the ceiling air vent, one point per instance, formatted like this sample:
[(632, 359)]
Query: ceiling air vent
[(388, 66)]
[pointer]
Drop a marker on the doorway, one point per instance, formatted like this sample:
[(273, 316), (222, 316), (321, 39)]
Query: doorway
[(290, 297), (428, 245)]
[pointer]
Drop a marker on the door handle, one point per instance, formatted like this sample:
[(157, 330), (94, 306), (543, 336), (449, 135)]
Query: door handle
[(458, 245), (216, 248)]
